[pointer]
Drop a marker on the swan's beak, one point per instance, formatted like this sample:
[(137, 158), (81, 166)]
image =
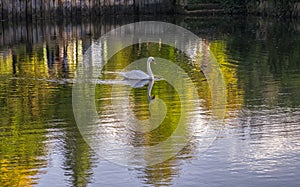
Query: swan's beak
[(154, 62)]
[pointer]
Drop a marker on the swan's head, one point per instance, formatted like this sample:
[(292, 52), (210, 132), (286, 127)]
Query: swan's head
[(151, 59)]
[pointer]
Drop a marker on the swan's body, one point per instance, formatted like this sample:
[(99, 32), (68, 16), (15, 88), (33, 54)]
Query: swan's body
[(135, 75), (138, 74)]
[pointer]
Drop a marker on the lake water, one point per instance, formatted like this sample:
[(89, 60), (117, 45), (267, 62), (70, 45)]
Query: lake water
[(258, 143)]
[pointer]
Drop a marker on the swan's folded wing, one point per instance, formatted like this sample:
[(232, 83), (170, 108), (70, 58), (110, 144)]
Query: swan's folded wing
[(135, 74)]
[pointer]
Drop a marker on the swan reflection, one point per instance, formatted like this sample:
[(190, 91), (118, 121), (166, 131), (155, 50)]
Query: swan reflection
[(150, 86)]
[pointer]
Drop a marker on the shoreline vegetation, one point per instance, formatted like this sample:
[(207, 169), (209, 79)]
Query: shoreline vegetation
[(14, 10)]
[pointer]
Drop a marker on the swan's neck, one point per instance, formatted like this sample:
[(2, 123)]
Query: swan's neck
[(149, 70)]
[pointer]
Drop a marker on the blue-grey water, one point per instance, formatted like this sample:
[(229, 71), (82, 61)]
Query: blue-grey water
[(258, 144)]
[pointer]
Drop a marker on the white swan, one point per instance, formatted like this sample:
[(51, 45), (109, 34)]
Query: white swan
[(138, 74)]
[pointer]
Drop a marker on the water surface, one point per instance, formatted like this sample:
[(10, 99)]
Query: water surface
[(259, 144)]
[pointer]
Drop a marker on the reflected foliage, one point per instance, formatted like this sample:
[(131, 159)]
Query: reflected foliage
[(270, 57), (35, 104)]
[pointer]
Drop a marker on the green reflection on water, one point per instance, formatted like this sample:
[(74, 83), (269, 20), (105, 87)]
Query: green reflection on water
[(139, 98)]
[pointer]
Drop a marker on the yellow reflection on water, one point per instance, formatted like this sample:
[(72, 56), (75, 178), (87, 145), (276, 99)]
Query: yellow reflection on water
[(234, 92), (28, 92), (6, 62)]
